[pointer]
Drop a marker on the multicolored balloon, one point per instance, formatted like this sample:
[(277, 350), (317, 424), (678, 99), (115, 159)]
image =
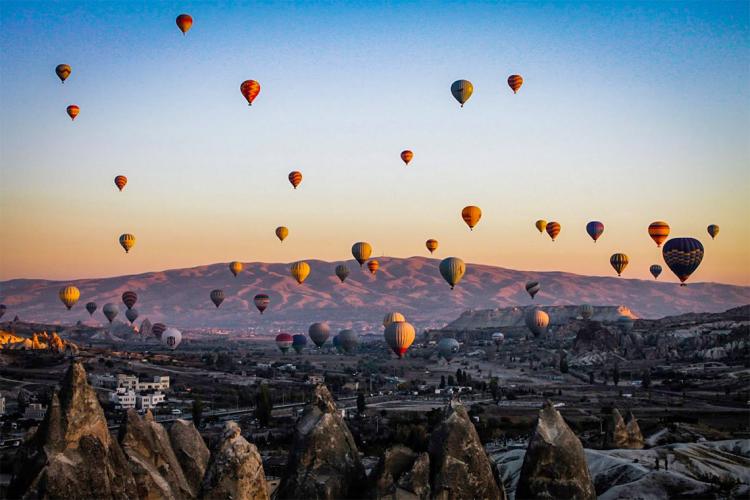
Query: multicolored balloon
[(295, 178), (73, 111), (515, 82), (158, 329), (471, 215), (284, 342), (262, 301), (69, 295), (537, 321), (171, 338), (120, 181), (184, 22), (127, 241), (373, 266), (533, 287), (393, 317), (129, 299), (595, 229), (655, 270), (300, 271), (432, 245), (683, 256), (399, 336), (236, 267), (713, 230), (659, 231), (63, 72), (217, 297), (281, 233), (462, 90), (452, 269), (361, 252), (406, 156), (250, 90), (619, 262), (553, 229), (342, 272)]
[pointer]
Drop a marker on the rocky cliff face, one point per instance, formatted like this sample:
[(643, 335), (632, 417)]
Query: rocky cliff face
[(459, 464), (555, 464), (324, 461), (72, 455), (190, 450), (235, 470), (401, 474), (635, 437), (620, 434)]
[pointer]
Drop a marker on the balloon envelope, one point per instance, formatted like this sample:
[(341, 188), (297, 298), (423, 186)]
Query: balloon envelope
[(462, 90), (110, 311), (532, 287), (262, 301), (399, 335), (537, 321), (127, 241), (553, 229), (91, 308), (448, 348), (131, 314), (281, 233), (158, 329), (250, 90), (373, 266), (619, 261), (284, 342), (295, 178), (217, 297), (236, 267), (392, 317), (342, 272), (299, 342), (406, 156), (319, 333), (655, 270), (515, 82), (63, 72), (73, 111), (452, 269), (587, 311), (595, 229), (349, 340), (184, 22), (471, 215), (658, 230), (683, 256), (300, 271), (69, 295), (541, 225), (171, 338), (120, 181), (129, 299), (713, 230), (361, 251), (498, 338), (432, 245)]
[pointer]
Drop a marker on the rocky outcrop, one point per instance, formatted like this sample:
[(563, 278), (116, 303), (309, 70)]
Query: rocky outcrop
[(555, 464), (71, 455), (459, 464), (191, 451), (621, 434), (152, 461), (635, 437), (402, 474), (235, 470), (416, 480), (323, 461)]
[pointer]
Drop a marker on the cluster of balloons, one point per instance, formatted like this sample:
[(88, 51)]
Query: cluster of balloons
[(463, 89)]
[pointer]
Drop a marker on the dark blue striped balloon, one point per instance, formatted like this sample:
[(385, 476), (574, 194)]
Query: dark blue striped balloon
[(595, 229), (683, 256)]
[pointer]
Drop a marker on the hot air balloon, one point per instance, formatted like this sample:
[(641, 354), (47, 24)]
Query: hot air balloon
[(110, 311), (498, 338), (295, 178), (261, 301), (236, 267), (541, 225), (452, 269), (342, 272), (63, 72), (361, 252), (127, 241), (462, 90), (619, 262), (132, 315), (431, 244), (655, 270), (281, 233), (406, 156), (595, 229), (537, 321), (158, 329), (3, 308), (349, 340), (171, 338), (73, 111), (515, 82), (586, 311), (448, 348), (250, 90), (184, 22), (625, 323), (129, 299), (658, 231), (300, 271), (373, 266), (713, 230), (69, 295), (91, 308), (284, 342), (471, 216), (299, 342), (217, 297), (553, 229), (399, 335), (337, 344), (393, 317), (120, 181), (319, 333), (532, 287), (683, 256)]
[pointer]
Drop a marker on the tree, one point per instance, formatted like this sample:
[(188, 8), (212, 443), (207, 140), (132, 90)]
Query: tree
[(591, 377), (442, 381), (263, 405), (361, 405), (646, 379), (616, 374), (563, 364), (450, 381), (197, 411), (459, 377), (494, 388)]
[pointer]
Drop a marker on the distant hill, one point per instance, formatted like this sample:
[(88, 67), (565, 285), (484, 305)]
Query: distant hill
[(413, 286)]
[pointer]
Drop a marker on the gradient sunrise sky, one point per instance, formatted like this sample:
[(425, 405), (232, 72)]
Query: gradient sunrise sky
[(630, 112)]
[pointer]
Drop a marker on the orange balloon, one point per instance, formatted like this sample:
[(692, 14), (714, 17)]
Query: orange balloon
[(658, 231), (250, 90), (120, 181), (295, 178), (184, 22), (406, 156), (373, 266), (553, 229), (73, 111), (431, 245), (471, 216), (515, 82)]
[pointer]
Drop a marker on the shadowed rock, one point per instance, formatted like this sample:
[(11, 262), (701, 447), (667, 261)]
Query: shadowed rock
[(622, 435), (191, 451), (235, 470), (323, 461), (72, 455), (555, 465), (635, 438), (459, 465)]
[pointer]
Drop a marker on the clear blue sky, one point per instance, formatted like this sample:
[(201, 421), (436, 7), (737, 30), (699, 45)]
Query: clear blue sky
[(630, 112)]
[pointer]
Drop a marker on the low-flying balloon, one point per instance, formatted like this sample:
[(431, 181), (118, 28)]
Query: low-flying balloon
[(184, 22), (342, 272), (553, 229), (406, 156), (281, 233), (300, 271), (217, 297), (110, 311), (683, 256), (129, 299), (236, 267), (349, 340), (120, 181), (295, 178), (471, 215), (625, 323), (619, 262), (261, 302), (532, 287), (299, 342), (284, 342), (462, 90), (393, 317), (361, 251), (713, 230), (69, 295), (586, 311), (655, 270), (63, 72), (373, 266), (595, 229), (337, 344), (250, 90), (131, 314), (127, 241), (515, 82), (91, 308), (319, 333), (158, 329), (171, 338), (452, 269), (498, 338), (448, 348), (659, 231), (73, 111), (399, 335), (431, 244), (537, 321)]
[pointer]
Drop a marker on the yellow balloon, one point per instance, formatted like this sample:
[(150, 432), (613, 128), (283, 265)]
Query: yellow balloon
[(300, 271), (282, 232), (393, 317), (69, 295), (541, 225), (361, 251), (236, 268), (127, 241)]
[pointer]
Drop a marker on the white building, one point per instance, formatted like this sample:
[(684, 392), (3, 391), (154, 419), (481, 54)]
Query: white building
[(123, 398), (35, 411), (149, 401), (157, 383), (107, 381)]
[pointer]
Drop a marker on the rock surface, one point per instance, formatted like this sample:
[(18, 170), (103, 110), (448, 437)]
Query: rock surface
[(554, 465), (402, 474), (191, 451), (72, 455), (459, 464), (235, 470), (324, 461)]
